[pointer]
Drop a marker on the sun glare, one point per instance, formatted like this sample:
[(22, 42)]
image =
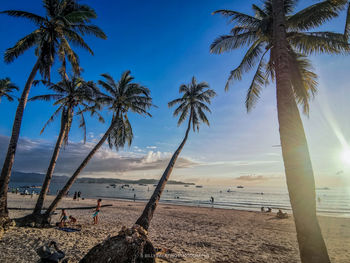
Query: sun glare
[(346, 156)]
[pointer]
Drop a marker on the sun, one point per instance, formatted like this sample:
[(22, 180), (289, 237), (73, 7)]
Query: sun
[(346, 156)]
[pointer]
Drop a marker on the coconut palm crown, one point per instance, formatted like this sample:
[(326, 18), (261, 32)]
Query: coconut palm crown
[(121, 97), (65, 23), (193, 103), (7, 87), (256, 32), (72, 96)]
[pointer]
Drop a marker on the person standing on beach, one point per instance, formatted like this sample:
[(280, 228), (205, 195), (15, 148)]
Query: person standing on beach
[(134, 197), (79, 194), (75, 196), (63, 218), (95, 215)]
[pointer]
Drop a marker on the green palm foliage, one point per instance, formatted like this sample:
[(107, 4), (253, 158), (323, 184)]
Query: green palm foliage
[(72, 96), (192, 103), (65, 24), (256, 32), (7, 87), (121, 97)]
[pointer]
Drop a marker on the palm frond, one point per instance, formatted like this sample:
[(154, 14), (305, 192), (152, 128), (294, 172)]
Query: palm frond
[(230, 42), (319, 42), (21, 46), (248, 62), (256, 85), (315, 15), (38, 20)]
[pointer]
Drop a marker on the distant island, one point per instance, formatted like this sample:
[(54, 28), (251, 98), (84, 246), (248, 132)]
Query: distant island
[(37, 178)]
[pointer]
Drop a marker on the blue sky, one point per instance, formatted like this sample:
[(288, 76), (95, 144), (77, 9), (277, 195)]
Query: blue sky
[(165, 43)]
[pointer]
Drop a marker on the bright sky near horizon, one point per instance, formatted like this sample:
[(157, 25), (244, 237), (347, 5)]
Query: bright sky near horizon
[(165, 43)]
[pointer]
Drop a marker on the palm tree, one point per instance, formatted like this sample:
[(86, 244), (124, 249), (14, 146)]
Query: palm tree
[(6, 87), (70, 96), (347, 23), (276, 31), (192, 105), (65, 23), (123, 96)]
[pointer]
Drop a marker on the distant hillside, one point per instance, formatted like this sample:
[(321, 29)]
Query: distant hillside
[(36, 178)]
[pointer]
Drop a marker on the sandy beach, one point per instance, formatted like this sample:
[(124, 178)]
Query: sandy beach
[(190, 234)]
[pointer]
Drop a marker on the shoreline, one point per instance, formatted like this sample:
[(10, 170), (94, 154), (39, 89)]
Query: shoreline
[(215, 206)]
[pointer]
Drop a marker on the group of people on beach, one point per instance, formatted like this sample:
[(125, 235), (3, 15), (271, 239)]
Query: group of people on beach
[(279, 214), (77, 195), (64, 218)]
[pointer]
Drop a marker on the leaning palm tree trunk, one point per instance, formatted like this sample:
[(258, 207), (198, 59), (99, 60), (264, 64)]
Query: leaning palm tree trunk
[(51, 168), (147, 214), (297, 163), (72, 179), (10, 156)]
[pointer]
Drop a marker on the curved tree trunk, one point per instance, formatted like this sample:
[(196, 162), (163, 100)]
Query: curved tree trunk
[(147, 214), (10, 156), (51, 168), (297, 163), (72, 179)]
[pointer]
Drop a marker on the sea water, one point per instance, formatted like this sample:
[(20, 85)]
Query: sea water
[(332, 201)]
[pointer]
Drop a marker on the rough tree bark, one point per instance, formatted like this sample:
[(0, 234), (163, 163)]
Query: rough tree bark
[(145, 219), (297, 163), (72, 179), (45, 187), (11, 151)]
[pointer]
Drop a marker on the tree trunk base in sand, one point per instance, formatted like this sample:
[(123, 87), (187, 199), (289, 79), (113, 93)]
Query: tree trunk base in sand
[(5, 224), (131, 245), (33, 220)]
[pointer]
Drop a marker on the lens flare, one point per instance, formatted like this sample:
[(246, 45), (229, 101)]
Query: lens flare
[(346, 156)]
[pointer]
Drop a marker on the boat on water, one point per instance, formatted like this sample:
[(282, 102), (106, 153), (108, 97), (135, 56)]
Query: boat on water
[(199, 186), (323, 188), (240, 186), (186, 185)]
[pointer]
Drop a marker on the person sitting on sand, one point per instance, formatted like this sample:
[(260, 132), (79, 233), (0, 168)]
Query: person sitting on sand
[(268, 210), (262, 209), (48, 255), (72, 220), (63, 218), (95, 215), (281, 215)]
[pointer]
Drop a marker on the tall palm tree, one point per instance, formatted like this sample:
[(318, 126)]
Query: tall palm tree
[(192, 105), (65, 23), (7, 87), (71, 96), (276, 31), (123, 96), (347, 23)]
